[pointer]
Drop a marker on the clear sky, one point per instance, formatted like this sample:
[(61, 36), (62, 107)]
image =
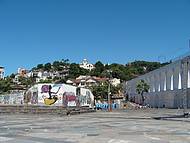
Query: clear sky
[(41, 31)]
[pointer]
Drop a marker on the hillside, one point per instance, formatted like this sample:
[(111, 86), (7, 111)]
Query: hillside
[(114, 70), (68, 70)]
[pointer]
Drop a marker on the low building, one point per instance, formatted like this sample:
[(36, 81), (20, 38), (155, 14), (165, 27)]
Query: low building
[(2, 72), (41, 75), (115, 81), (22, 72), (87, 81), (44, 75), (69, 82)]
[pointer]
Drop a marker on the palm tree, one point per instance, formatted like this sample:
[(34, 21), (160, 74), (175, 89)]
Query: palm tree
[(141, 88)]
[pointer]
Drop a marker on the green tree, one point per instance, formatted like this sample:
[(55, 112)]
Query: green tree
[(100, 92), (105, 73), (118, 73), (74, 70), (116, 90), (5, 86), (45, 81), (12, 76), (60, 81), (84, 71), (57, 66), (27, 82), (99, 68), (65, 61), (47, 67), (40, 66), (141, 88)]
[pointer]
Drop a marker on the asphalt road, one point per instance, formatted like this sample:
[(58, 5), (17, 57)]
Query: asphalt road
[(100, 127)]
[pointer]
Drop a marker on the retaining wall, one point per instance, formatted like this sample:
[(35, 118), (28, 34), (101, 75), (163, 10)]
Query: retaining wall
[(32, 109)]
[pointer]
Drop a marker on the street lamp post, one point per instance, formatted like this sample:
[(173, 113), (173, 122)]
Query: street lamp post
[(109, 93), (109, 98)]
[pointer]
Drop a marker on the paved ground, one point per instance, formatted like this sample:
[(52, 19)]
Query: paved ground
[(100, 127)]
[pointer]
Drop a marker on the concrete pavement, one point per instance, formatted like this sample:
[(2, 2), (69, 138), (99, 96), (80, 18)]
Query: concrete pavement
[(129, 126)]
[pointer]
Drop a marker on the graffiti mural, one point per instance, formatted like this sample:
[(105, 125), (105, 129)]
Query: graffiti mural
[(104, 106), (89, 100), (52, 95), (27, 97), (34, 98), (70, 99), (31, 97), (16, 98), (85, 98), (45, 88)]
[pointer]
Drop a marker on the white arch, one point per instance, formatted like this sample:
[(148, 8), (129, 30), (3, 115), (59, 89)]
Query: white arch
[(153, 89), (172, 82), (179, 82), (165, 83), (188, 80), (159, 88)]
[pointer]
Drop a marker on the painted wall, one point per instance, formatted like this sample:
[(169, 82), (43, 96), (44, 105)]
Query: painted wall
[(17, 98), (36, 95), (67, 95)]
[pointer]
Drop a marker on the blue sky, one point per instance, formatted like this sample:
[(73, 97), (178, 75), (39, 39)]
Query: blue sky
[(41, 31)]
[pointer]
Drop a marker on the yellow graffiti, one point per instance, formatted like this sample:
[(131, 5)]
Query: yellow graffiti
[(51, 101)]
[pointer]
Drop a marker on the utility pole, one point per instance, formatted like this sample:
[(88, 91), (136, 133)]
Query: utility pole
[(109, 93), (109, 98)]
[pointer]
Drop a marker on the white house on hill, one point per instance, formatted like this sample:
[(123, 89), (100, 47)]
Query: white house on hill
[(86, 65), (2, 72)]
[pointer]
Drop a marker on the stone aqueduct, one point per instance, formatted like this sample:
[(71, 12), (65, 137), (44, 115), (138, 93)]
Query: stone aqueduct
[(169, 86)]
